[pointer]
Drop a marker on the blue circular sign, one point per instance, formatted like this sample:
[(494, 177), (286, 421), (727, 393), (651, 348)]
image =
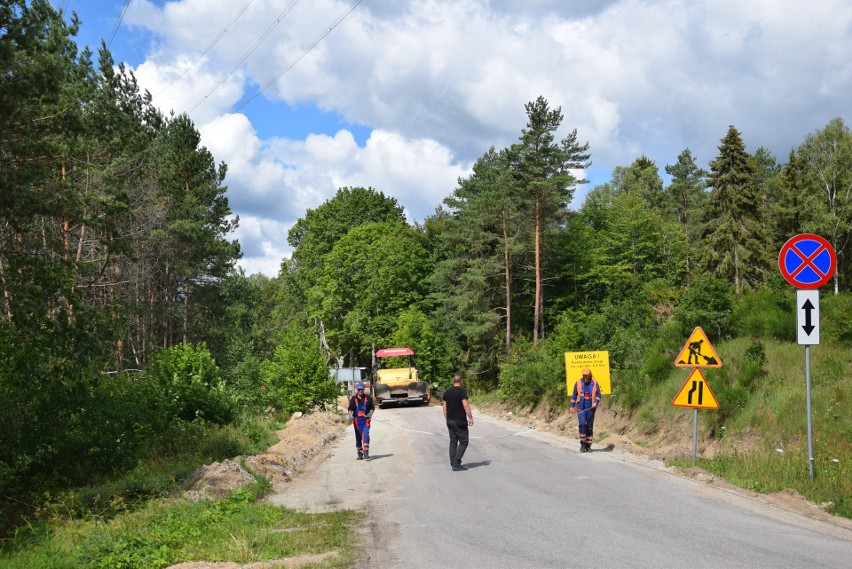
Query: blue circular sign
[(807, 261)]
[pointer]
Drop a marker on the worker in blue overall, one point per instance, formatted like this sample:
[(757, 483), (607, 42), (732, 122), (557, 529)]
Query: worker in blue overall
[(584, 402), (361, 409)]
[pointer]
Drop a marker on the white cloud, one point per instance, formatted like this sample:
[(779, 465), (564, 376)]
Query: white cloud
[(441, 81)]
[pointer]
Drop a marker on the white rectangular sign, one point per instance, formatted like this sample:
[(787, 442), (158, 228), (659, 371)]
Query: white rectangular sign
[(807, 317)]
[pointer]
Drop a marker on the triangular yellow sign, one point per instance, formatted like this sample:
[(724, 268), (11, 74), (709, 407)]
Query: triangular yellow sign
[(697, 352), (696, 393)]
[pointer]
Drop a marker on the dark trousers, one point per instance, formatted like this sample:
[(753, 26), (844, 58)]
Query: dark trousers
[(458, 439), (586, 424)]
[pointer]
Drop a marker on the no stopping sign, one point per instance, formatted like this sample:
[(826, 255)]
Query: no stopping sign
[(807, 261)]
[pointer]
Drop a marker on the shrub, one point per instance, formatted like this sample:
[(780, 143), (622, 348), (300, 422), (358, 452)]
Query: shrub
[(632, 389), (532, 375), (765, 314), (707, 304), (192, 384), (297, 376), (837, 317)]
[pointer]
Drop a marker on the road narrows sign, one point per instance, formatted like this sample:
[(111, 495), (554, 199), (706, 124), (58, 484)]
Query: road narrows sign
[(697, 352), (696, 393)]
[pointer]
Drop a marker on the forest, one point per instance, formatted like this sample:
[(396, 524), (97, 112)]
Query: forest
[(127, 330)]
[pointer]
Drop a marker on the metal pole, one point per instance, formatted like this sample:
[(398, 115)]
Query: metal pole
[(694, 434), (810, 427)]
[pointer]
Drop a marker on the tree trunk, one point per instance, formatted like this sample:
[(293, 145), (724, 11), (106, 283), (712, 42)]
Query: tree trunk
[(506, 259), (185, 311), (537, 309)]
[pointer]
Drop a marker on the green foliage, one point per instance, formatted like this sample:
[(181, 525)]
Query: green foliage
[(735, 243), (297, 377), (624, 328), (657, 364), (707, 304), (375, 272), (434, 351), (826, 168), (765, 314), (533, 375), (836, 318), (630, 388), (567, 334), (316, 234), (753, 365), (167, 532), (193, 386)]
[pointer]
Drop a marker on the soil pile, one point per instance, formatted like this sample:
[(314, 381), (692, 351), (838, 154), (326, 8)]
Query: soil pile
[(304, 437)]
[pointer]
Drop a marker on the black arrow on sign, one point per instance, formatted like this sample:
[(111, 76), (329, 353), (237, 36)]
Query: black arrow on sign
[(808, 328)]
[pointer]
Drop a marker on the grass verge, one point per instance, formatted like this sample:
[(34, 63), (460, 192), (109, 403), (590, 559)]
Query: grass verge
[(167, 531)]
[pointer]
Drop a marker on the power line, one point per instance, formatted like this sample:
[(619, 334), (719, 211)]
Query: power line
[(118, 23), (299, 58), (209, 47), (247, 54)]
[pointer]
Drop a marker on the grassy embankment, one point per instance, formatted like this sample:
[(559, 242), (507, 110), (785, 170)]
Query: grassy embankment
[(766, 408), (137, 520)]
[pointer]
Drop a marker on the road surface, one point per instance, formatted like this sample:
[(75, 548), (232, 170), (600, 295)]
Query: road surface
[(530, 499)]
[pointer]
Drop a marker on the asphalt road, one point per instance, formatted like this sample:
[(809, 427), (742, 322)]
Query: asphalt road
[(531, 500)]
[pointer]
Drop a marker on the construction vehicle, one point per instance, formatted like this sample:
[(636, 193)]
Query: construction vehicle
[(400, 385)]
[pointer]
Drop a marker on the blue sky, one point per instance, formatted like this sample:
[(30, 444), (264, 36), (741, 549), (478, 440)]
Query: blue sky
[(404, 96)]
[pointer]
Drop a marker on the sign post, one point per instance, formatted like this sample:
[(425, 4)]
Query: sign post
[(696, 353), (807, 262), (692, 394)]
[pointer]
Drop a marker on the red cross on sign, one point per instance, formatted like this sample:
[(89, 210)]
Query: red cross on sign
[(807, 261)]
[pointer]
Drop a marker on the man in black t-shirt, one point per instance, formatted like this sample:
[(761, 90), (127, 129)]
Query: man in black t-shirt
[(459, 417)]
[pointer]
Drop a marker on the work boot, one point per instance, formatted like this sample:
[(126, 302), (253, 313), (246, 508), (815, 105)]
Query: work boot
[(366, 456), (582, 446), (360, 456), (588, 447)]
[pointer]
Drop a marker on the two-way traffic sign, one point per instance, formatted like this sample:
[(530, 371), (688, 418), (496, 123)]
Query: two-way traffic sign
[(807, 317)]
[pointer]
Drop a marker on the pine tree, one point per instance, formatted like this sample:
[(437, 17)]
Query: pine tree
[(686, 195), (734, 242), (543, 170)]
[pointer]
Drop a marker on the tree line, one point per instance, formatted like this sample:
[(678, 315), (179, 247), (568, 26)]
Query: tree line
[(126, 327)]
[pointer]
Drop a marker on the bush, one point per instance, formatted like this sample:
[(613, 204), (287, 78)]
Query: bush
[(707, 304), (192, 384), (631, 391), (297, 377), (765, 314), (836, 317), (532, 375)]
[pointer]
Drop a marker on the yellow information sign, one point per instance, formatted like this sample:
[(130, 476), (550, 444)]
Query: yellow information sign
[(697, 352), (598, 362), (696, 393)]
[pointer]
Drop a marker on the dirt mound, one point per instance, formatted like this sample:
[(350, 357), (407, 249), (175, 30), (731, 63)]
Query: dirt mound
[(301, 440)]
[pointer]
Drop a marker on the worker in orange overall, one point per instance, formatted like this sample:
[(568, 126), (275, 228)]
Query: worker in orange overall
[(361, 409), (584, 402)]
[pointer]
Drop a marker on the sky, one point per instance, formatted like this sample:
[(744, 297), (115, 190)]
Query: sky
[(301, 98)]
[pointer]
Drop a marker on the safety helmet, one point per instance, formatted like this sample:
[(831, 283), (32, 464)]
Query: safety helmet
[(359, 386)]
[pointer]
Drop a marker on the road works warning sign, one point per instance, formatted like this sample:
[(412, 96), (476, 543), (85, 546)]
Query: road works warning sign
[(696, 393), (698, 352), (598, 362)]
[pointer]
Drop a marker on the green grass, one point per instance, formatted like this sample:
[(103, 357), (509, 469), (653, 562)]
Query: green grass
[(165, 532), (133, 521), (773, 418)]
